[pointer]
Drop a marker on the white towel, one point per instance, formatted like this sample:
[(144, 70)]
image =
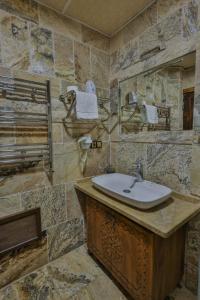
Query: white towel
[(86, 106), (151, 114)]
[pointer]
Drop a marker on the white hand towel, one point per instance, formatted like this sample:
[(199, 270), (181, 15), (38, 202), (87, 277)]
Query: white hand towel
[(151, 114), (86, 106)]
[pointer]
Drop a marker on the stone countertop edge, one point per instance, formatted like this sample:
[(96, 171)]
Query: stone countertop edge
[(187, 205)]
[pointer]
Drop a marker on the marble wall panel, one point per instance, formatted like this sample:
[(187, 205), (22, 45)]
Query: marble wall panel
[(82, 62), (16, 264), (65, 237), (51, 201), (100, 68), (190, 19), (136, 27), (64, 57), (14, 42), (124, 155), (170, 165), (42, 60), (55, 22), (95, 39), (23, 8), (10, 204), (74, 209), (124, 57)]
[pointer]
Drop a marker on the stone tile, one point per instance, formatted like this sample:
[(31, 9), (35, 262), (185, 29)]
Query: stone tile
[(66, 162), (195, 176), (183, 294), (14, 42), (10, 204), (136, 27), (166, 8), (8, 293), (98, 160), (124, 57), (64, 57), (191, 278), (190, 19), (57, 133), (58, 23), (170, 165), (65, 237), (42, 60), (50, 200), (125, 155), (28, 180), (73, 203), (22, 8), (100, 68), (74, 276), (82, 62), (95, 39), (23, 261)]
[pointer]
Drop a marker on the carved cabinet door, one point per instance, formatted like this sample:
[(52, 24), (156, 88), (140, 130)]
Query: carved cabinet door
[(99, 232), (134, 269), (124, 248)]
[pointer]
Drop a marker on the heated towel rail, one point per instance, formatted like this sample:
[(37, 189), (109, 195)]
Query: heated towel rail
[(19, 100)]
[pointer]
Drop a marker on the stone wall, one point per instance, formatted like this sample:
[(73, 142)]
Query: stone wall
[(170, 158), (38, 44)]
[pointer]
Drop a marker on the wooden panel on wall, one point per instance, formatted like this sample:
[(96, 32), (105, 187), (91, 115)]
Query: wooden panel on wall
[(18, 229)]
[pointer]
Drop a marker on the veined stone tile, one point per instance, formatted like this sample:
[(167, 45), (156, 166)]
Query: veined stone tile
[(98, 160), (191, 278), (82, 62), (64, 57), (8, 293), (14, 265), (14, 43), (56, 22), (145, 20), (57, 133), (100, 68), (195, 174), (95, 39), (73, 203), (166, 8), (10, 204), (66, 162), (41, 51), (50, 200), (23, 8), (124, 57), (125, 155), (170, 165), (190, 19), (65, 237)]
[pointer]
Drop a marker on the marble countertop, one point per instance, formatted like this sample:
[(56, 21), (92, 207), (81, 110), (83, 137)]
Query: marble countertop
[(163, 219)]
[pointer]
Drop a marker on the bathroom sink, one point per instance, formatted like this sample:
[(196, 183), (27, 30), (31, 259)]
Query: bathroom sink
[(143, 195)]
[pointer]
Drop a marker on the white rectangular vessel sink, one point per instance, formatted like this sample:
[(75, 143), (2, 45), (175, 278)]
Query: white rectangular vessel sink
[(143, 195)]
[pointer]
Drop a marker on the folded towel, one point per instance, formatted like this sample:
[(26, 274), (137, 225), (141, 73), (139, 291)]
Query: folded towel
[(86, 106), (151, 114)]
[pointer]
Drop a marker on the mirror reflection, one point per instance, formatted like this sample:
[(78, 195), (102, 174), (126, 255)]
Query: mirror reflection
[(160, 99)]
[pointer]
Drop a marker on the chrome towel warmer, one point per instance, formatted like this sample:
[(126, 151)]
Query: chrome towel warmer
[(16, 157)]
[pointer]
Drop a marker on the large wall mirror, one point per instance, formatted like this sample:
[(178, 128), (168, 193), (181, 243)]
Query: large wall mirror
[(159, 99)]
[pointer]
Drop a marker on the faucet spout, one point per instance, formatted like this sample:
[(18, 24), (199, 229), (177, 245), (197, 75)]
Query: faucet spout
[(138, 174)]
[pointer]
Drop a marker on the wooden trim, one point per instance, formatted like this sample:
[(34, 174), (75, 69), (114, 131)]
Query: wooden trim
[(19, 216), (188, 90)]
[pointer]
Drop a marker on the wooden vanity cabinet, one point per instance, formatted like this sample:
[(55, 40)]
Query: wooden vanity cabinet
[(147, 266)]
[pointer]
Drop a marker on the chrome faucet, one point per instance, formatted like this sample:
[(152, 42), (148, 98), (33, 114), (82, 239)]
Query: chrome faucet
[(138, 174)]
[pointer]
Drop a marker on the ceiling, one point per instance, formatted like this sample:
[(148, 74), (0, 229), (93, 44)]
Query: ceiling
[(105, 16)]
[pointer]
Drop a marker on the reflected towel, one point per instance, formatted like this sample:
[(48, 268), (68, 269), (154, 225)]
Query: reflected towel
[(86, 106), (151, 114)]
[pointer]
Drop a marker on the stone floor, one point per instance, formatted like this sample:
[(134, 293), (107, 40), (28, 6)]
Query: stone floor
[(74, 276)]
